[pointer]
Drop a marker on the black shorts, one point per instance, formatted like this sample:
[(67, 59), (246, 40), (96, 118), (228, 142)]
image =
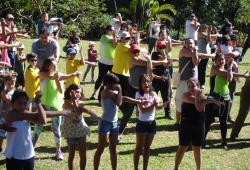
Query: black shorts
[(19, 80), (190, 132)]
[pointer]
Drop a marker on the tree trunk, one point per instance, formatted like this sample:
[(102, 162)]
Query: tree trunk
[(115, 6)]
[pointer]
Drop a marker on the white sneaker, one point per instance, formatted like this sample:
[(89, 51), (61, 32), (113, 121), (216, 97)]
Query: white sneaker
[(203, 87)]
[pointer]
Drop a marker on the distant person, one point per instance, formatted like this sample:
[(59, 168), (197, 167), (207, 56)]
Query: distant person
[(72, 42), (45, 47), (20, 67), (92, 56), (154, 29), (116, 22), (44, 22), (247, 41), (191, 26)]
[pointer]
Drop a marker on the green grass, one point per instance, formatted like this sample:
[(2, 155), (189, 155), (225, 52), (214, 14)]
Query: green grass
[(165, 143)]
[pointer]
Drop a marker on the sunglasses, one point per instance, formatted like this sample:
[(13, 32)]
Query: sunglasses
[(163, 47), (136, 51), (191, 16), (92, 46), (33, 60)]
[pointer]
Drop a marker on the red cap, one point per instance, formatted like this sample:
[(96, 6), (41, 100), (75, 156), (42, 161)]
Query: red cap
[(161, 43), (134, 47)]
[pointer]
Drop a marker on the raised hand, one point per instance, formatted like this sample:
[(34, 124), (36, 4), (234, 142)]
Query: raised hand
[(94, 116), (56, 75), (39, 94), (68, 113)]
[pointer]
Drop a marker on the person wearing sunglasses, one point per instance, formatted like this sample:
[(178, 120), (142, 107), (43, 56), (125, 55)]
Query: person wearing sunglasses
[(162, 78), (192, 25), (32, 80)]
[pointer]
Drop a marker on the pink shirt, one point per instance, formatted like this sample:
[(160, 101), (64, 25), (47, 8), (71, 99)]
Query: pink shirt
[(90, 57)]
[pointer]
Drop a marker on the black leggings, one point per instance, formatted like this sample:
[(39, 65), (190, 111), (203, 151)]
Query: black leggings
[(164, 88), (103, 70), (223, 119)]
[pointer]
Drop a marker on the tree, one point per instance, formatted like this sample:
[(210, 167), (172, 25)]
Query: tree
[(131, 10)]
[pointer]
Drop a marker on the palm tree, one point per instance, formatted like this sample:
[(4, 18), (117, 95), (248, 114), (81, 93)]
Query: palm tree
[(155, 10), (131, 10)]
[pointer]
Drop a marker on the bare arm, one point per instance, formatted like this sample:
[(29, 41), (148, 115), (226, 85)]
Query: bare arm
[(82, 62)]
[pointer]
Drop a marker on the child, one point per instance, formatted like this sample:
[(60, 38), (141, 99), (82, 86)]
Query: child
[(32, 80), (146, 125), (226, 47), (108, 125), (19, 150), (6, 96), (73, 65), (75, 129), (111, 99), (73, 42), (20, 67), (92, 55), (52, 88)]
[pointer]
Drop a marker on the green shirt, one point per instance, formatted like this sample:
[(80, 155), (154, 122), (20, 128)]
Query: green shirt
[(221, 85)]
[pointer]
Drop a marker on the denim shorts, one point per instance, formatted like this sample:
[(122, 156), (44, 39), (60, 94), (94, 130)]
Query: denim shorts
[(75, 140), (145, 127), (106, 127)]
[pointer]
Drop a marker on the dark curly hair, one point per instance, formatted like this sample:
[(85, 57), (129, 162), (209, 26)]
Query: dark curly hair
[(73, 86), (151, 89)]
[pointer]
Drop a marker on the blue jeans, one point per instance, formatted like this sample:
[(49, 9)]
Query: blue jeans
[(17, 164), (106, 127)]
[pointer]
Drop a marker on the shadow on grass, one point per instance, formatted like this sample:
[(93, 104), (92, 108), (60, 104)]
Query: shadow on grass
[(216, 126), (92, 104), (156, 151), (2, 162), (237, 144), (45, 149)]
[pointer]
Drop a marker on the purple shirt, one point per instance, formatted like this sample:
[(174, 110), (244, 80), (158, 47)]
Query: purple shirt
[(90, 57)]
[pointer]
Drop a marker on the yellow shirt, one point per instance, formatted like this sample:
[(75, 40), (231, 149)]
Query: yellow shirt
[(71, 67), (122, 57), (32, 81)]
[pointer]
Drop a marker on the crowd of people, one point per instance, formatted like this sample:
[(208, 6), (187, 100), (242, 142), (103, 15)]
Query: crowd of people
[(130, 78)]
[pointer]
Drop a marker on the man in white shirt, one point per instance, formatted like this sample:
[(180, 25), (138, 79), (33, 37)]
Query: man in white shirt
[(192, 25)]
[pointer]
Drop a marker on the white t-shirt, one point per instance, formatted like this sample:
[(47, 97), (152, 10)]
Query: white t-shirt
[(116, 26), (190, 31), (150, 115)]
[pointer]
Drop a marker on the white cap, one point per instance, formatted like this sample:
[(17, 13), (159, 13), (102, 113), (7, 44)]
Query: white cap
[(21, 46), (91, 43), (125, 34)]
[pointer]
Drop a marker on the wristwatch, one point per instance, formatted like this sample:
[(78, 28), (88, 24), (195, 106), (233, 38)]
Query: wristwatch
[(37, 101)]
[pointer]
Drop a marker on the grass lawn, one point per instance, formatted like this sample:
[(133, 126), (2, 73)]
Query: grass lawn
[(165, 143)]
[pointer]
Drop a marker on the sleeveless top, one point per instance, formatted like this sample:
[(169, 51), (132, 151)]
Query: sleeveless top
[(51, 96), (190, 114), (135, 73), (221, 85), (109, 110), (203, 45), (75, 127), (19, 143), (190, 71)]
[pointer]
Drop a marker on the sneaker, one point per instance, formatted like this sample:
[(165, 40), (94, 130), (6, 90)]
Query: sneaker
[(59, 155), (176, 126), (202, 86), (169, 116), (93, 97), (224, 145), (119, 139), (83, 81), (92, 81)]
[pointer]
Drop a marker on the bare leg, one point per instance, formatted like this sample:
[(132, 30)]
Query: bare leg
[(71, 150), (112, 150), (102, 140), (82, 154), (146, 151), (197, 156), (178, 116), (179, 155), (140, 141)]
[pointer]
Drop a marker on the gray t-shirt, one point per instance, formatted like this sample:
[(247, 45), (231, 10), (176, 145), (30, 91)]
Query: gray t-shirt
[(203, 46), (43, 52), (190, 71)]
